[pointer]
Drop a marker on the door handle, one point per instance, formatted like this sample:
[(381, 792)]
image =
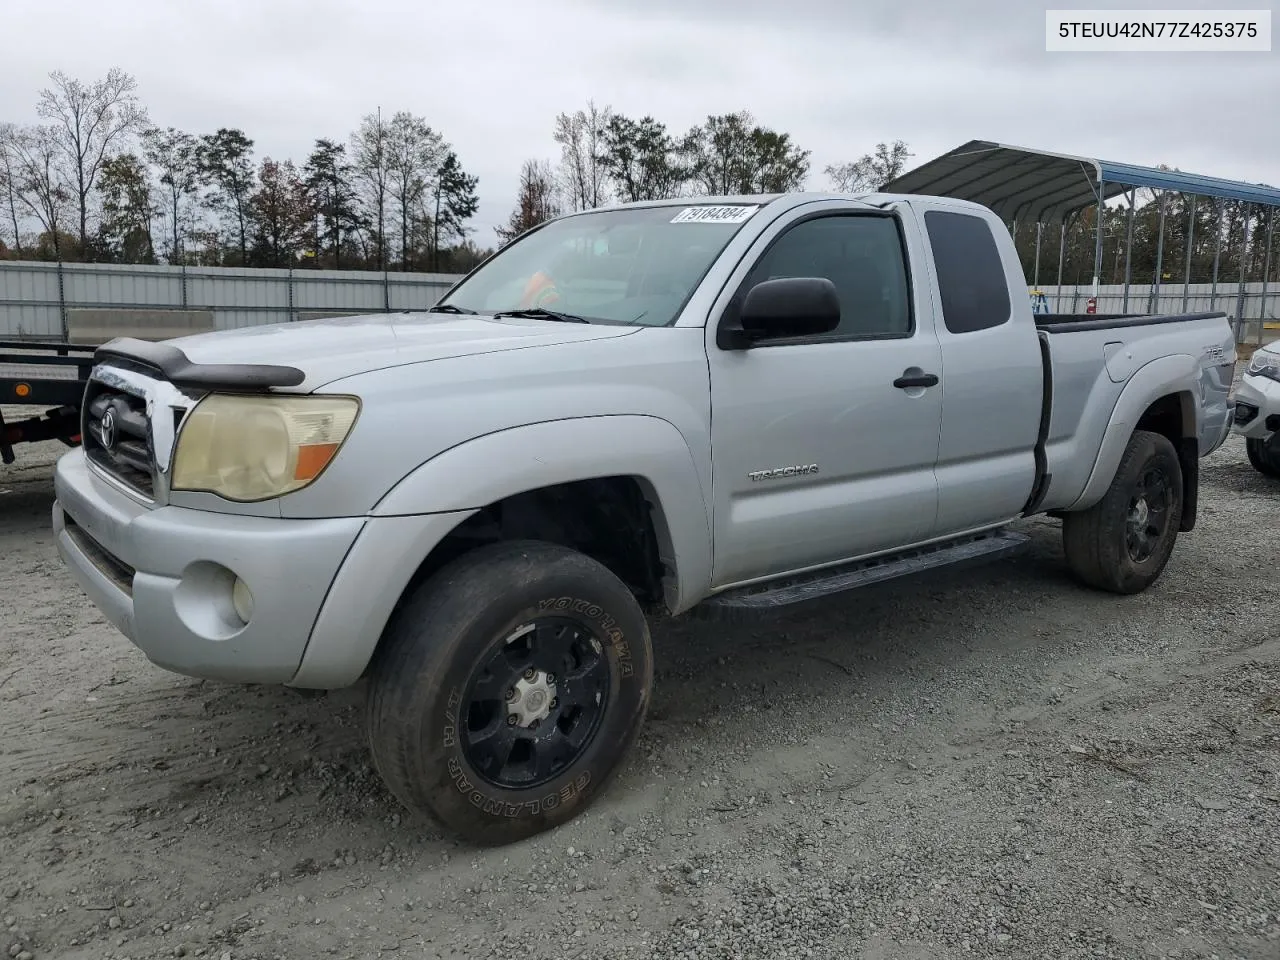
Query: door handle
[(920, 380)]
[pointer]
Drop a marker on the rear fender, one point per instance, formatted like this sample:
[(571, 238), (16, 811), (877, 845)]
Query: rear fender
[(1174, 374)]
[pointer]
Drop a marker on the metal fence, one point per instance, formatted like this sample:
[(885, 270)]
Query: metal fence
[(1260, 302), (36, 298)]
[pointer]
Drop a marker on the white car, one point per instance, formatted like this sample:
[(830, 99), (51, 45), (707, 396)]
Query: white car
[(1257, 415)]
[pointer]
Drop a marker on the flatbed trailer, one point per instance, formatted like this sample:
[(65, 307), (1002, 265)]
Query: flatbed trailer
[(42, 374)]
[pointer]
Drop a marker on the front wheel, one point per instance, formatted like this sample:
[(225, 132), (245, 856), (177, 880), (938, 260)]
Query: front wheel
[(1264, 456), (1122, 543), (508, 688)]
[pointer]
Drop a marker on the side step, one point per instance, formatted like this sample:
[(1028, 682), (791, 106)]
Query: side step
[(761, 599)]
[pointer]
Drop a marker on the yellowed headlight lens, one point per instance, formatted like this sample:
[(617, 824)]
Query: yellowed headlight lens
[(249, 448)]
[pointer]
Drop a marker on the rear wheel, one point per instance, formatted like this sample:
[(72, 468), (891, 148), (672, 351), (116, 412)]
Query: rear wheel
[(1122, 543), (1264, 456), (508, 688)]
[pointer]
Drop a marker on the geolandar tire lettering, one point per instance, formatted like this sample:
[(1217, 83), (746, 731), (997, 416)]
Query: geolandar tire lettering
[(504, 808), (508, 688)]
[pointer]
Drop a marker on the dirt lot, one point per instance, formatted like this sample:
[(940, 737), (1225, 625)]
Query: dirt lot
[(985, 763)]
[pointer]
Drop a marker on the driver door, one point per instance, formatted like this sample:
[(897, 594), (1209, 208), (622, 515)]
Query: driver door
[(827, 405)]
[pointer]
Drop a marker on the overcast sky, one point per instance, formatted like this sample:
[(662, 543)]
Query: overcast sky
[(491, 75)]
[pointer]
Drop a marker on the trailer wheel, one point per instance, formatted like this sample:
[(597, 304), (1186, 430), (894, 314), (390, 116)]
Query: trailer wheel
[(1122, 543), (1264, 456), (508, 688)]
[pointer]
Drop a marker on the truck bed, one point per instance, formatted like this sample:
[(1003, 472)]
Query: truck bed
[(1092, 359), (1056, 322)]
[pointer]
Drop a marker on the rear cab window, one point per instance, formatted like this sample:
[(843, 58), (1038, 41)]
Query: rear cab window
[(971, 275)]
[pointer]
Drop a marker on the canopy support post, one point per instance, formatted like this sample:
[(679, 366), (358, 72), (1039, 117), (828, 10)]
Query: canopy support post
[(1244, 266), (1153, 301), (1128, 248), (1191, 239), (1097, 244), (1217, 253)]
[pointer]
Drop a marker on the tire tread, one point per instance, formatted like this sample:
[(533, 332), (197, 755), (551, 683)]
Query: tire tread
[(1090, 538), (447, 606), (1263, 458)]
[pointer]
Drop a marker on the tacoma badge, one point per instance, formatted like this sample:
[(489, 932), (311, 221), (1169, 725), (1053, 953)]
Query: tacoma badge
[(777, 472)]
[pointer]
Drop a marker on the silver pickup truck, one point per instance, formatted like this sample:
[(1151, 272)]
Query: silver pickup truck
[(718, 407)]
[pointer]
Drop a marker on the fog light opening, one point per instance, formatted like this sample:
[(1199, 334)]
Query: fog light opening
[(242, 599)]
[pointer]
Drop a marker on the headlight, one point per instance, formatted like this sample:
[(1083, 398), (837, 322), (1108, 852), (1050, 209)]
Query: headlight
[(249, 448), (1264, 364)]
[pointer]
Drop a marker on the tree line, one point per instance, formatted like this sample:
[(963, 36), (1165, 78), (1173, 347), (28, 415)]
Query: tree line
[(96, 180), (607, 157)]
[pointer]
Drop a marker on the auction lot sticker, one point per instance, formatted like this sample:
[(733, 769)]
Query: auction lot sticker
[(708, 214)]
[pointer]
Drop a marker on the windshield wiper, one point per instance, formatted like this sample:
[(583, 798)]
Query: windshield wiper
[(448, 308), (538, 313)]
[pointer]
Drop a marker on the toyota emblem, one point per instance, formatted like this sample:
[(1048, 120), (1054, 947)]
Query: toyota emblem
[(107, 429)]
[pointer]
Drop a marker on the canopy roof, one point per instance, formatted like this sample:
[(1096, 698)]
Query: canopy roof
[(1019, 183)]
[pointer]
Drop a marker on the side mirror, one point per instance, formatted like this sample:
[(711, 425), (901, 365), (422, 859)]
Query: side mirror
[(786, 307)]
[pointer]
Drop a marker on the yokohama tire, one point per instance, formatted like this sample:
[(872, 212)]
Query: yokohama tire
[(444, 655), (1122, 543)]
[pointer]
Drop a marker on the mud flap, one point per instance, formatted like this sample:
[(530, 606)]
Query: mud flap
[(1189, 457)]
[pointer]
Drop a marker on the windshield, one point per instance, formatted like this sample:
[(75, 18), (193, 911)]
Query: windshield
[(633, 265)]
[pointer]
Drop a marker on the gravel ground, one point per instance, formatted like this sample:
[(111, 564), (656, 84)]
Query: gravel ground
[(985, 763)]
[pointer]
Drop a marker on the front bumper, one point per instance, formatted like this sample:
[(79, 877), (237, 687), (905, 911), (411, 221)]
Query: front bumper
[(1257, 402), (164, 576)]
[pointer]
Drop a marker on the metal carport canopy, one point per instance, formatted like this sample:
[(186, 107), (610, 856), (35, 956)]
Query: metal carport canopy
[(1019, 183)]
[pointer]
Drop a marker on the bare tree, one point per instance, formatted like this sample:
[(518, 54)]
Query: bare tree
[(91, 120), (583, 174), (177, 156), (414, 155), (9, 180), (871, 171), (35, 152), (536, 203), (371, 159)]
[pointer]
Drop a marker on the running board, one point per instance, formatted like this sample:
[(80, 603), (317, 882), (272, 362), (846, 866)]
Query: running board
[(761, 599)]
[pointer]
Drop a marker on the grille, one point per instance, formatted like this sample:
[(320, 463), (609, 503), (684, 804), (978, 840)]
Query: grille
[(117, 436)]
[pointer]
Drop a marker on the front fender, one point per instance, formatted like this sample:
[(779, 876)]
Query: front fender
[(499, 465), (1173, 374)]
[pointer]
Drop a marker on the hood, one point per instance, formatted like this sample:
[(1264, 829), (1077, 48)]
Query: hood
[(335, 347)]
